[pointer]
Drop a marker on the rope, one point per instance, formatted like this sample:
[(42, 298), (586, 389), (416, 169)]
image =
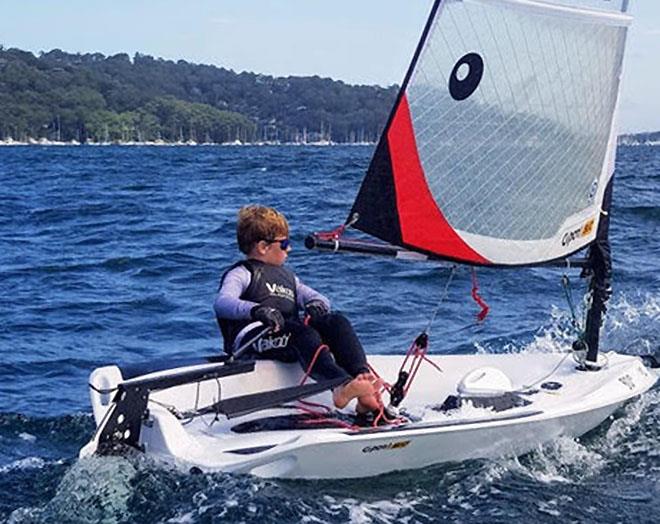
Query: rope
[(102, 391), (442, 299), (477, 298), (306, 406), (545, 377), (568, 293), (415, 355), (313, 361), (419, 347), (335, 234)]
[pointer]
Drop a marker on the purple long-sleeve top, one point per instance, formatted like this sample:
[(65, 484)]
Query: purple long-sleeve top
[(228, 303)]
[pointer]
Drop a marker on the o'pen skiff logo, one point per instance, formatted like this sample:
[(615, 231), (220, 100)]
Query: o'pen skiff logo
[(579, 232), (588, 227), (386, 447)]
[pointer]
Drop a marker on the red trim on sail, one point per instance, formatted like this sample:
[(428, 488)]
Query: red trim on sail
[(422, 223)]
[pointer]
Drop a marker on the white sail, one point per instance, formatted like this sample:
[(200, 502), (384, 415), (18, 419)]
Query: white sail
[(511, 105)]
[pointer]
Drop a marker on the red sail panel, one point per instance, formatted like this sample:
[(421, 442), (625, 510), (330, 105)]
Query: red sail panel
[(422, 223)]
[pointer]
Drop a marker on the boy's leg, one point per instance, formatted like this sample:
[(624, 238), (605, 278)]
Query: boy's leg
[(305, 341), (336, 331)]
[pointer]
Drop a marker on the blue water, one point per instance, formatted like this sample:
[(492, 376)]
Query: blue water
[(113, 254)]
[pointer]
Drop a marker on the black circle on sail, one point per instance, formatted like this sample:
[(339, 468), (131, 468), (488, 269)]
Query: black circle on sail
[(460, 89)]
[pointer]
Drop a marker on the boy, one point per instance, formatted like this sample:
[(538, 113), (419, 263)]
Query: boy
[(259, 291)]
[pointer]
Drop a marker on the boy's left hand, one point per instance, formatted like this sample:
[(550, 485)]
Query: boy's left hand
[(316, 309)]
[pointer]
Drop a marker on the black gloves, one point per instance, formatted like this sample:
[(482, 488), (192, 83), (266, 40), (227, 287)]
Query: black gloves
[(269, 316), (316, 309), (272, 317)]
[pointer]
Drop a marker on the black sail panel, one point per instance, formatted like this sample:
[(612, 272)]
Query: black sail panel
[(378, 193)]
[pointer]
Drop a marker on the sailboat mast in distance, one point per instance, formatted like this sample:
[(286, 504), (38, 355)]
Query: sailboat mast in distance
[(501, 143)]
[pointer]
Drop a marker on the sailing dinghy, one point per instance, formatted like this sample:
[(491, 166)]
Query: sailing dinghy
[(499, 152)]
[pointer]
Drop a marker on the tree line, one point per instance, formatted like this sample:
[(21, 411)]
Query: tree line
[(91, 97)]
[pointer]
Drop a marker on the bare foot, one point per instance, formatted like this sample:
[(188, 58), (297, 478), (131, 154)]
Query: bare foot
[(371, 402), (358, 387), (367, 403)]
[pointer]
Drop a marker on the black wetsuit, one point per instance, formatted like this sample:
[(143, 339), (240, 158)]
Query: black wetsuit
[(275, 286)]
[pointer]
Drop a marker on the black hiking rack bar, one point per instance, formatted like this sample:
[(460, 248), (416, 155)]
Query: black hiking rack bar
[(314, 241), (123, 421), (193, 375), (246, 404)]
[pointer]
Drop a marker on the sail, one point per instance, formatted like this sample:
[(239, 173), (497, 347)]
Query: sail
[(501, 142)]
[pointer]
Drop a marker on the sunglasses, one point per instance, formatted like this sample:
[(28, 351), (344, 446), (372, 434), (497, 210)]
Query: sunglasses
[(284, 243)]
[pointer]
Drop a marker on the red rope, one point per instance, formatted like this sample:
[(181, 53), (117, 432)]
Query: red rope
[(416, 355), (414, 368), (332, 235), (386, 386), (304, 403), (411, 350), (427, 359), (311, 364), (475, 296)]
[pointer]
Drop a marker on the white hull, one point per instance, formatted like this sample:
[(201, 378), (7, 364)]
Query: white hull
[(584, 400)]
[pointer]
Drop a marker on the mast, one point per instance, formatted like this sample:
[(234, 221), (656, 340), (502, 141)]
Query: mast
[(599, 258), (599, 268)]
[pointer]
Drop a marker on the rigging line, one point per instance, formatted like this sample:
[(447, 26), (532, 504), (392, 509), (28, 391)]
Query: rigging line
[(545, 377), (196, 408), (568, 292), (442, 298), (102, 391), (171, 408), (217, 414), (189, 416)]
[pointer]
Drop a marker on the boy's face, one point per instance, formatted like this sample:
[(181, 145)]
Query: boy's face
[(271, 252)]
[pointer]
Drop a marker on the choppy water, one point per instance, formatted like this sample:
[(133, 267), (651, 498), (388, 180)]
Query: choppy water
[(111, 254)]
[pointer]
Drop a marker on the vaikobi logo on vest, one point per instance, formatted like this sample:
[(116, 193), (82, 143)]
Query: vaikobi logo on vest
[(272, 342), (278, 290)]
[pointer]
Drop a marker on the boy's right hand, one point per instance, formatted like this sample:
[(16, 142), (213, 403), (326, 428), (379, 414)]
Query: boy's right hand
[(269, 316)]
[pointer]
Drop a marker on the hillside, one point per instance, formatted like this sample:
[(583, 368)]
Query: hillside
[(92, 97)]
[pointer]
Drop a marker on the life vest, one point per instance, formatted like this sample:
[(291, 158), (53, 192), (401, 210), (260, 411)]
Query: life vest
[(273, 286)]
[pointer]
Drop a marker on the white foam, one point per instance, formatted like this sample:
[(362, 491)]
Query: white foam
[(24, 463), (99, 487)]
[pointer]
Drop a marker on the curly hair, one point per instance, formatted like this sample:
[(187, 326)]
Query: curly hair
[(257, 223)]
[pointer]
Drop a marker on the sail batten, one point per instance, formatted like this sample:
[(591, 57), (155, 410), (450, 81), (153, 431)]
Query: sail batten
[(508, 111)]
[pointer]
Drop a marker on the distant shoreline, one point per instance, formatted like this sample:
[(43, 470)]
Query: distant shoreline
[(48, 143), (623, 140)]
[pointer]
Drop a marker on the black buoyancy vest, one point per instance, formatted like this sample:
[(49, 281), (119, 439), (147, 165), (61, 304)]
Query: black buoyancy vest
[(273, 286)]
